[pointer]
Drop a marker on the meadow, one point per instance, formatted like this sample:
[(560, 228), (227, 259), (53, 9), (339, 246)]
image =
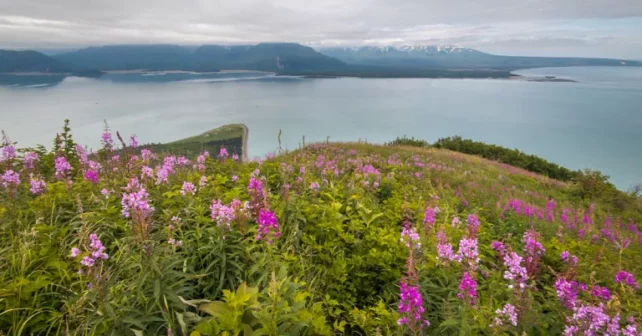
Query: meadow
[(329, 239)]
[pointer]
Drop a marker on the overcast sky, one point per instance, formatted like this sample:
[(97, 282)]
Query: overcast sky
[(604, 28)]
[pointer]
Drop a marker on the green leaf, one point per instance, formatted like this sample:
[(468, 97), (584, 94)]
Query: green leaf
[(216, 308), (137, 332)]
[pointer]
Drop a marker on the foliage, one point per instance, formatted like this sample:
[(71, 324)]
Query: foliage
[(405, 141), (331, 239), (510, 156)]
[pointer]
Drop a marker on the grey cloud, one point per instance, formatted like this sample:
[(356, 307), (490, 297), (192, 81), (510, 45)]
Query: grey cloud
[(490, 24)]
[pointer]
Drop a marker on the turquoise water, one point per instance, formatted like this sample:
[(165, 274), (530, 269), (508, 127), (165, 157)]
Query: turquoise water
[(596, 123)]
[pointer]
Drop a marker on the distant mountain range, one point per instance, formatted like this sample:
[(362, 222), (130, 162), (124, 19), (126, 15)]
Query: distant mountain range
[(29, 61), (451, 57), (291, 58)]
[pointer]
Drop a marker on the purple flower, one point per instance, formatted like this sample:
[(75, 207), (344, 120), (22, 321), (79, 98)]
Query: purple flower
[(455, 222), (498, 246), (411, 307), (235, 178), (515, 273), (222, 214), (75, 252), (202, 182), (314, 186), (567, 292), (37, 186), (268, 226), (133, 142), (627, 279), (410, 237), (550, 210), (29, 159), (223, 153), (601, 293), (106, 139), (468, 251), (137, 202), (147, 155), (188, 188), (105, 192), (92, 176), (508, 312), (88, 261), (473, 224), (429, 217), (445, 249), (468, 289), (235, 157), (10, 179), (62, 166)]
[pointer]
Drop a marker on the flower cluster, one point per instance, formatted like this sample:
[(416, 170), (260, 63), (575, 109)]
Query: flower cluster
[(188, 188), (534, 251), (468, 252), (468, 289), (136, 201), (626, 278), (411, 307), (429, 217), (445, 249), (410, 237), (567, 292), (473, 225), (222, 154), (515, 272), (62, 166), (95, 253), (601, 293), (268, 226), (507, 313), (29, 159), (10, 179), (569, 258), (38, 185)]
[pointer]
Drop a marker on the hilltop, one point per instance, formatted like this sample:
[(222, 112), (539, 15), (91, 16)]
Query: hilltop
[(333, 238)]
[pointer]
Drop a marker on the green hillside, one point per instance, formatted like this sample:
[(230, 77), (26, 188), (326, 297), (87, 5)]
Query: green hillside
[(330, 239)]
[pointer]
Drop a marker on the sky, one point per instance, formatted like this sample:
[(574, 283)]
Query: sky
[(590, 28)]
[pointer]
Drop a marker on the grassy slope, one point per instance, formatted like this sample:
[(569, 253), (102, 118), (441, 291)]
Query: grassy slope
[(230, 136), (343, 241)]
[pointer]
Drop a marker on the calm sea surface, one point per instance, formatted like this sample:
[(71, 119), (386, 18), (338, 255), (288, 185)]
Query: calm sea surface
[(595, 123)]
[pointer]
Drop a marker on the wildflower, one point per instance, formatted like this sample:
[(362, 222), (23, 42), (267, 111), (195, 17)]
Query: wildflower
[(455, 222), (473, 225), (137, 202), (515, 273), (62, 166), (29, 159), (534, 250), (429, 217), (202, 182), (106, 139), (314, 186), (567, 292), (75, 252), (105, 192), (568, 258), (411, 307), (8, 153), (10, 179), (92, 176), (177, 243), (508, 312), (468, 289), (97, 248), (146, 172), (147, 154), (188, 188), (133, 142), (88, 261), (162, 175), (550, 210), (601, 293), (222, 154), (268, 224), (235, 157), (468, 251), (410, 237), (498, 246), (221, 214), (627, 279), (445, 249), (37, 186)]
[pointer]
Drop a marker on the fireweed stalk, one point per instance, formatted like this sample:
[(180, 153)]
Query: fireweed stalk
[(411, 303), (135, 205)]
